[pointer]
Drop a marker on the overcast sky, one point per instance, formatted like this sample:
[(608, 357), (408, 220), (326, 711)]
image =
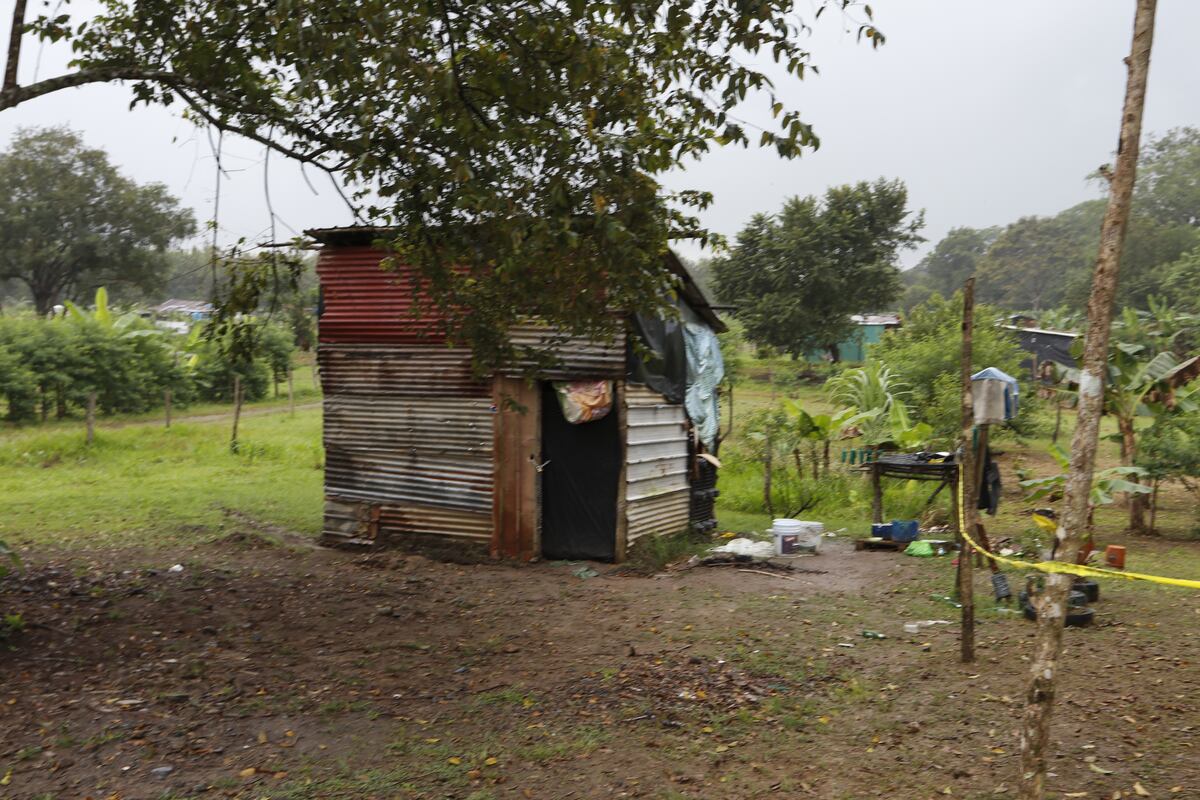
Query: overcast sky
[(988, 111)]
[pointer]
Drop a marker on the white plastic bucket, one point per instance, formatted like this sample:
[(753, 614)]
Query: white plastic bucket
[(794, 536)]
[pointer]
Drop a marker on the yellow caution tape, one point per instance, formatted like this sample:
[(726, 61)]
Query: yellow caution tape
[(1059, 566)]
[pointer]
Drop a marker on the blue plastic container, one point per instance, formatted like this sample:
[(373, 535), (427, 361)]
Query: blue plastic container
[(883, 530), (905, 530)]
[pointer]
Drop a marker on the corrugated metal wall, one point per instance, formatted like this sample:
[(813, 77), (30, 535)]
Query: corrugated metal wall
[(657, 494), (363, 303), (578, 357), (410, 433), (407, 432)]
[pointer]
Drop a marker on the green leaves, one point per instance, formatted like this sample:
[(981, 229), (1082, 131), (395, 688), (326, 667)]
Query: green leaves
[(1105, 483), (481, 132), (798, 276)]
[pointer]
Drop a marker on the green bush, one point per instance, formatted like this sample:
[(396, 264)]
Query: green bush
[(49, 367), (925, 354)]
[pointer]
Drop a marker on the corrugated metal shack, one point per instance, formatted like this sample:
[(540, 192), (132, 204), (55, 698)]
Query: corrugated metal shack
[(418, 447)]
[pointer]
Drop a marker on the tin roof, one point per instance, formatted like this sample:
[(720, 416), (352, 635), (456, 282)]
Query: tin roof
[(183, 307), (368, 235)]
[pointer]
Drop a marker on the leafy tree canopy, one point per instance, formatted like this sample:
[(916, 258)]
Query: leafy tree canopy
[(1168, 182), (946, 268), (514, 146), (926, 352), (797, 277), (70, 222), (1037, 263)]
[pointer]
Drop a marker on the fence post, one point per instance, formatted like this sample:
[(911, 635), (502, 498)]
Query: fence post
[(167, 405), (91, 417), (966, 475), (291, 394), (237, 412)]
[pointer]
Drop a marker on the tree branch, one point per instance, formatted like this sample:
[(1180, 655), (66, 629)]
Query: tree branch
[(14, 45), (12, 96)]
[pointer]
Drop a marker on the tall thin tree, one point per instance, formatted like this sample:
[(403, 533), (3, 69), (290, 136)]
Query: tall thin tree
[(1072, 530)]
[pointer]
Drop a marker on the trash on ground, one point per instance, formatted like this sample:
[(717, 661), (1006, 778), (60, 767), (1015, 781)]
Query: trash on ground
[(746, 547), (584, 572)]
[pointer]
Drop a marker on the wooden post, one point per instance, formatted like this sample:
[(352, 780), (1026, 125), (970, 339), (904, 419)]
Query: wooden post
[(967, 472), (876, 494), (1073, 522), (980, 460), (237, 412), (167, 405), (91, 417), (291, 394)]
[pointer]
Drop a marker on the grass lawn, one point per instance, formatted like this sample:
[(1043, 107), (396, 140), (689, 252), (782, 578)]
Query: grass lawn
[(265, 670), (145, 485)]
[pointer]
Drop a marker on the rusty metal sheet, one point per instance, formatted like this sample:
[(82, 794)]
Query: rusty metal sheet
[(363, 303), (366, 524), (578, 357), (427, 425), (409, 431), (379, 475), (393, 370)]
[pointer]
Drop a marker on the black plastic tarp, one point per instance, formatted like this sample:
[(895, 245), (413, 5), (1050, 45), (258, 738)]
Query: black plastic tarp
[(1047, 346), (660, 362)]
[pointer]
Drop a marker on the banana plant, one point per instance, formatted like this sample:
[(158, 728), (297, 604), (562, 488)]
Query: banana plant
[(1106, 484), (126, 324), (823, 429), (1139, 383)]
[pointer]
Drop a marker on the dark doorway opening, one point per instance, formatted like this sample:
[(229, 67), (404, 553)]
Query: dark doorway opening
[(579, 483)]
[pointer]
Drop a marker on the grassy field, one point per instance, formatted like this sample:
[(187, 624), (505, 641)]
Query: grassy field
[(269, 670), (145, 485)]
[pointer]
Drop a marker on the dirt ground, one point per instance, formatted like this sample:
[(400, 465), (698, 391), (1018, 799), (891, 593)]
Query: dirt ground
[(267, 668)]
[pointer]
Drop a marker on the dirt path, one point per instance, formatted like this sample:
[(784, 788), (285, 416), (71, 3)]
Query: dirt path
[(266, 670), (217, 417)]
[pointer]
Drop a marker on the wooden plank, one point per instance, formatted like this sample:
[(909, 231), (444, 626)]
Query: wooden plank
[(623, 425), (517, 443), (528, 543)]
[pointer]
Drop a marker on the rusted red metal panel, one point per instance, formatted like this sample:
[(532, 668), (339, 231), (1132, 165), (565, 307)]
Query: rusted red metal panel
[(366, 304)]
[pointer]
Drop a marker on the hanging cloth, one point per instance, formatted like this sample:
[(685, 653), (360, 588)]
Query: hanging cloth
[(705, 371)]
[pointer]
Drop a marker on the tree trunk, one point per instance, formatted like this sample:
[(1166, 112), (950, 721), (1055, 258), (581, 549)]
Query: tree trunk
[(1057, 419), (1135, 501), (876, 495), (237, 412), (825, 459), (967, 476), (1051, 604), (835, 352), (1154, 507), (767, 474)]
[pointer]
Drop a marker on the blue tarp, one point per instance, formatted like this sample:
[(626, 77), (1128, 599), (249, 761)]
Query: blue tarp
[(705, 370)]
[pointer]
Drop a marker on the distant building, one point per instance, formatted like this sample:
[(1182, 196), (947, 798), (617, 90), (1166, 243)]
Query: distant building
[(196, 310), (869, 329)]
